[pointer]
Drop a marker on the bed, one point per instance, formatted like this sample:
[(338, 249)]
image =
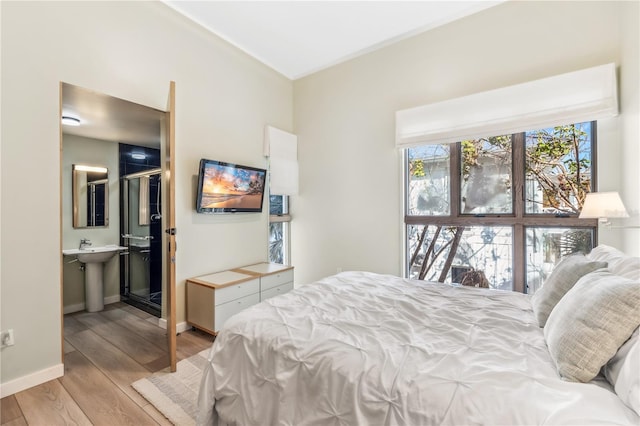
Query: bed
[(360, 348)]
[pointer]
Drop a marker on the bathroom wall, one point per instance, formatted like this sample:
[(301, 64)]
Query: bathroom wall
[(93, 152)]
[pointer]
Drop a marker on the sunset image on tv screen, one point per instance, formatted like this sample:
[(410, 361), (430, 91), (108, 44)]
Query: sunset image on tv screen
[(231, 187)]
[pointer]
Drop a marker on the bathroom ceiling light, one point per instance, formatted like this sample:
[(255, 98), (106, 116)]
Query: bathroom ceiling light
[(70, 121), (138, 155)]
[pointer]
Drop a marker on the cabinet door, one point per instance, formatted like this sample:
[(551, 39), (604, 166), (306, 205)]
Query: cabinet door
[(226, 310), (274, 280), (275, 291), (233, 292)]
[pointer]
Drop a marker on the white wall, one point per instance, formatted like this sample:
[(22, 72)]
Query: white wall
[(630, 132), (130, 50), (348, 214)]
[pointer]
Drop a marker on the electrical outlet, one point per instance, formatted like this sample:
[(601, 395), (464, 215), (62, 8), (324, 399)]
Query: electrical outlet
[(338, 270), (6, 338)]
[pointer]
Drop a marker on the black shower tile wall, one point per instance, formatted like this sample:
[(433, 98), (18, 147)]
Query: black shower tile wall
[(129, 165), (155, 230), (154, 187)]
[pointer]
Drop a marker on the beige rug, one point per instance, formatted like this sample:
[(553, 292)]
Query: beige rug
[(175, 395)]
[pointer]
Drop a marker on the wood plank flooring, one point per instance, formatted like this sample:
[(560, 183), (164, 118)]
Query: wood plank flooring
[(105, 352)]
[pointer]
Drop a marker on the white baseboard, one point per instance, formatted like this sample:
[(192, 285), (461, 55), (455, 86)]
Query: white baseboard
[(69, 309), (180, 327), (31, 380), (112, 299)]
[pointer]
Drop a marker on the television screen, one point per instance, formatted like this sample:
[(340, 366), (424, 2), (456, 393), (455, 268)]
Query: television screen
[(229, 188)]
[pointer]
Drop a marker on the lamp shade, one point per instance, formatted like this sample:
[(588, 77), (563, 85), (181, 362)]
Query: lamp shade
[(603, 205)]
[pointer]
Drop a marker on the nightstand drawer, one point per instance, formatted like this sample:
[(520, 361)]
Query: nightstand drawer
[(232, 292), (274, 280), (276, 291), (226, 310)]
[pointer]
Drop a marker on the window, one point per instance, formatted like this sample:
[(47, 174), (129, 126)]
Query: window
[(279, 221), (506, 205), (282, 149)]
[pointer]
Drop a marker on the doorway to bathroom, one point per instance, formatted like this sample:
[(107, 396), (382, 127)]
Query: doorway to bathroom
[(115, 121), (141, 227)]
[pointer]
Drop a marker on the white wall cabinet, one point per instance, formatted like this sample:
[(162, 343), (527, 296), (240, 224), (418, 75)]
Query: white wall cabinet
[(214, 298)]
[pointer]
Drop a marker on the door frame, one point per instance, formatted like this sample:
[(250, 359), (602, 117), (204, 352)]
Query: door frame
[(169, 244), (170, 223)]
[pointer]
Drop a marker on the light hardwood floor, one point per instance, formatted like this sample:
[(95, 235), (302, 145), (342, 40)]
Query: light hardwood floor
[(105, 352)]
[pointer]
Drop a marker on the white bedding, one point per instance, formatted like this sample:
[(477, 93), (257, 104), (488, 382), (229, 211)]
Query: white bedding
[(365, 349)]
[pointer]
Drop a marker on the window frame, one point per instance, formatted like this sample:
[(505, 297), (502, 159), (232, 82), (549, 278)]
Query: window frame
[(285, 219), (518, 219)]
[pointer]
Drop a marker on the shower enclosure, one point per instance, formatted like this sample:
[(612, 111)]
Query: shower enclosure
[(141, 226)]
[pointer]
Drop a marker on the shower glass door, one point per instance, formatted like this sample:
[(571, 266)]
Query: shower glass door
[(141, 233)]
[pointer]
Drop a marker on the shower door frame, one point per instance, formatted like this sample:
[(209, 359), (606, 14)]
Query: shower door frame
[(127, 240)]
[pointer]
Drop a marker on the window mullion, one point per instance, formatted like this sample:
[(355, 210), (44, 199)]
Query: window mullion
[(594, 171), (519, 239), (275, 218), (518, 174), (455, 159), (519, 258), (529, 220)]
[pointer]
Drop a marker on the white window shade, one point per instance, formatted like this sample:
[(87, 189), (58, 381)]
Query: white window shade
[(282, 149), (574, 97)]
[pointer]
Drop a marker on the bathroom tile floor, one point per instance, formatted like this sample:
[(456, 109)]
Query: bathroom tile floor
[(104, 352)]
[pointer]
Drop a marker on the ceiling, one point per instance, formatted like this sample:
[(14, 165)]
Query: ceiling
[(295, 38), (111, 119)]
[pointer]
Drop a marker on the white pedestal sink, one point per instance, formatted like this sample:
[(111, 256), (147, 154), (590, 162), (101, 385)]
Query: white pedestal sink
[(94, 259)]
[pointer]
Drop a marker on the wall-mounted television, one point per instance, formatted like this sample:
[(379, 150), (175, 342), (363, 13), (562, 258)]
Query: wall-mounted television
[(229, 188)]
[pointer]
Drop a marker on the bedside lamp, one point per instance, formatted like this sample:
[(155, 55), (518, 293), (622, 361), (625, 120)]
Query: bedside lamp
[(603, 205)]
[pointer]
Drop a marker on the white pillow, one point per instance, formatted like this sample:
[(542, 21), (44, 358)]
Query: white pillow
[(627, 267), (591, 322), (564, 275), (623, 372), (605, 253)]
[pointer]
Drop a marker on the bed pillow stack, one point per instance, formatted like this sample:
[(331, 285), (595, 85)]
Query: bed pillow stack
[(591, 322), (593, 325)]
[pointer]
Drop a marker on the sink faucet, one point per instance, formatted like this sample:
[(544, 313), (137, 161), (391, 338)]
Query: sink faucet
[(84, 242)]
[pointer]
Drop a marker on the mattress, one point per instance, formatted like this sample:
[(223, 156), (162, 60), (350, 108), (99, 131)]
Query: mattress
[(369, 349)]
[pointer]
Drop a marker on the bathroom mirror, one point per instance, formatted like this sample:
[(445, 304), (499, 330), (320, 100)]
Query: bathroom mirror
[(90, 196)]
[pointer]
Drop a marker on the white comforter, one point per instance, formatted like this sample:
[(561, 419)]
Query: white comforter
[(365, 349)]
